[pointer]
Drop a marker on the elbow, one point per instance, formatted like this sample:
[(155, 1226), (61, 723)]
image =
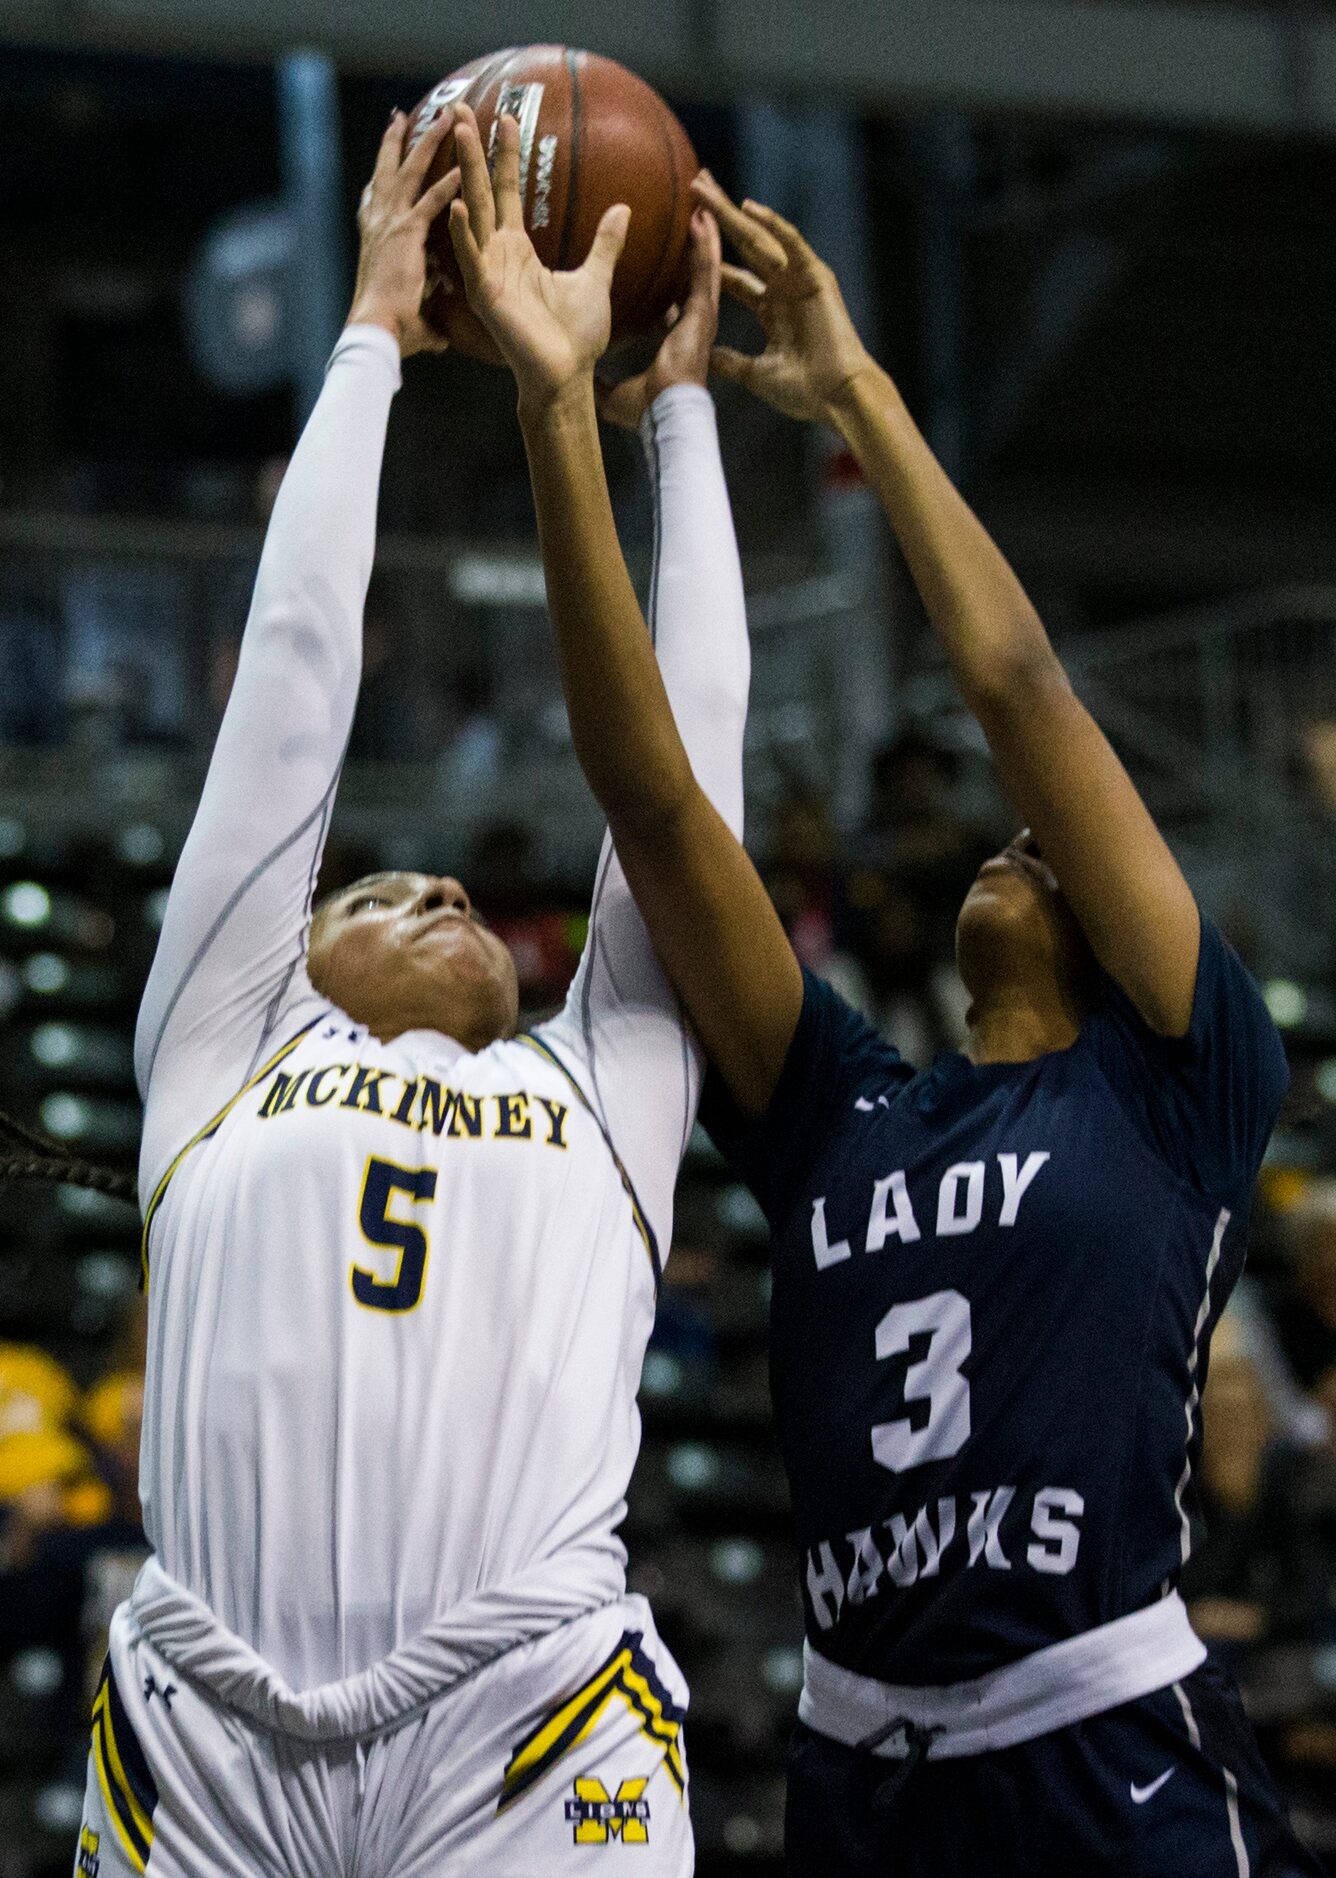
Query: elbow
[(1016, 679), (647, 809)]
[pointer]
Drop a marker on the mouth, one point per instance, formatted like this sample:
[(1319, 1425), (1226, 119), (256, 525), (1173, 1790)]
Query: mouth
[(446, 915)]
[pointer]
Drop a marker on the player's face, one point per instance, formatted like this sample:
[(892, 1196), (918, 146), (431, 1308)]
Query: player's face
[(407, 952), (1014, 918)]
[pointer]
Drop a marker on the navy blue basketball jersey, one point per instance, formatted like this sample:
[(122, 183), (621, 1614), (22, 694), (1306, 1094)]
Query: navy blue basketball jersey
[(994, 1287)]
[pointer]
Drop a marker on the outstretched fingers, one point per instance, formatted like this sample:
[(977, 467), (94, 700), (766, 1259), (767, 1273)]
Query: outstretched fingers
[(465, 244), (796, 250), (437, 199), (609, 240), (506, 175), (701, 311), (759, 248), (414, 168), (477, 184), (743, 286), (388, 157), (706, 256), (738, 366)]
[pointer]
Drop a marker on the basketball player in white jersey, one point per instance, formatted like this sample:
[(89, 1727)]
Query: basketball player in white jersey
[(401, 1261)]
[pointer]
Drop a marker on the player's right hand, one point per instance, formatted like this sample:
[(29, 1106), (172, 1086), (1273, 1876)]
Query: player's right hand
[(393, 220), (812, 349), (550, 327)]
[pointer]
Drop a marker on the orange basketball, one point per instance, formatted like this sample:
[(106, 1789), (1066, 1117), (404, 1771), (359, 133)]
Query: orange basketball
[(591, 134)]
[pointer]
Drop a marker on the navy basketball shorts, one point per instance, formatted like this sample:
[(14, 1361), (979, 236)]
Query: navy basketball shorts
[(1171, 1786)]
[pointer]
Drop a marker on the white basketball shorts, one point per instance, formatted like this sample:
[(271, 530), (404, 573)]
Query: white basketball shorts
[(563, 1756)]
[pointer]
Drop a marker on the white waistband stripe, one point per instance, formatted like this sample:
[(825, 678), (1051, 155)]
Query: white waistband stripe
[(454, 1646), (1050, 1689)]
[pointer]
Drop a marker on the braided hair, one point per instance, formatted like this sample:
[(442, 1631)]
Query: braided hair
[(25, 1154)]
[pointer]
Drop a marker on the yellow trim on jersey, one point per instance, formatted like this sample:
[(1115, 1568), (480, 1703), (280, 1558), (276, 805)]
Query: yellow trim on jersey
[(642, 1225), (577, 1717), (208, 1129), (117, 1792), (656, 1724)]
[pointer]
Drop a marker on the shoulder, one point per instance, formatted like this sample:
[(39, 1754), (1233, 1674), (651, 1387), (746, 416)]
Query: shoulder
[(837, 1058), (1206, 1100), (1229, 1018), (850, 1044)]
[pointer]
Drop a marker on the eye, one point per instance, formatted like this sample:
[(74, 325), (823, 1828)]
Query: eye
[(363, 900)]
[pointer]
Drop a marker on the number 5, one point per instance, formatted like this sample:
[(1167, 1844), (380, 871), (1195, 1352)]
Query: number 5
[(936, 1380), (379, 1184)]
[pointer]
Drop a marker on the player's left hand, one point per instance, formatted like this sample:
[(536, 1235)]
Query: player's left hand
[(684, 356), (550, 327), (812, 351), (393, 219)]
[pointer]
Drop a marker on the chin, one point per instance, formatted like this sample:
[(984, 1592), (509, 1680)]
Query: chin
[(1003, 916), (475, 1000)]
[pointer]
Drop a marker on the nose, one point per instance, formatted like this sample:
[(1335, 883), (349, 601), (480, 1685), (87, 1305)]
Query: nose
[(444, 891), (1025, 843)]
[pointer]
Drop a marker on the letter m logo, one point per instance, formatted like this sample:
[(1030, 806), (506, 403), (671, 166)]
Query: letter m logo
[(599, 1819)]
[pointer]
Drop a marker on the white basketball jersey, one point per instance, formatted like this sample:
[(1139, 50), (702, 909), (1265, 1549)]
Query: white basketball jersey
[(399, 1293), (399, 1300)]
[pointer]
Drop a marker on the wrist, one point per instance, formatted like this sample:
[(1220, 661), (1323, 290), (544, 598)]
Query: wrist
[(376, 313), (555, 405), (682, 391), (863, 383)]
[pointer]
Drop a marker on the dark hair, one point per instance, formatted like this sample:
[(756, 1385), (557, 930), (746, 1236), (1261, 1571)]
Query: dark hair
[(44, 1159)]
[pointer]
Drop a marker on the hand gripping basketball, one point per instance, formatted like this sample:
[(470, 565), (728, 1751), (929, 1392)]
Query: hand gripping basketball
[(550, 327), (393, 220), (683, 357)]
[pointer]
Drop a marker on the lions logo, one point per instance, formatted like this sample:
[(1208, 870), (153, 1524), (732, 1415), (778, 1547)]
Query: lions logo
[(598, 1818)]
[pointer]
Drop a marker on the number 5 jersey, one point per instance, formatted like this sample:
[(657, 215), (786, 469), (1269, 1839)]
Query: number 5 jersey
[(399, 1293)]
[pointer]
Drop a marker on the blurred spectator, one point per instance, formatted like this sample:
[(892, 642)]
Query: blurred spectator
[(471, 751), (1306, 1317), (803, 876), (113, 1414), (48, 1483), (1318, 743), (913, 862), (1260, 1575)]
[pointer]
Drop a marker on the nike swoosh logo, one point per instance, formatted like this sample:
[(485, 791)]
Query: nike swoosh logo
[(1140, 1795)]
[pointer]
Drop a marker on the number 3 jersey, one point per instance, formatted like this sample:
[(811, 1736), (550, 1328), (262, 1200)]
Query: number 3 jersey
[(994, 1289)]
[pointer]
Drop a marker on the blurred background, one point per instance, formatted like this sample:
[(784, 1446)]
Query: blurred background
[(1096, 242)]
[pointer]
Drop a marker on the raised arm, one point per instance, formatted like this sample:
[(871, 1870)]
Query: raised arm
[(1054, 762), (709, 918), (228, 982)]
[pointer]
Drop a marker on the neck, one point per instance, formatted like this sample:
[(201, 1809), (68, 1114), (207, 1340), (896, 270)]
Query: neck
[(1008, 1028)]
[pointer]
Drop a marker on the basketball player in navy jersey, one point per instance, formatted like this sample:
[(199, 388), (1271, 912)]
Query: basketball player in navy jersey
[(994, 1281)]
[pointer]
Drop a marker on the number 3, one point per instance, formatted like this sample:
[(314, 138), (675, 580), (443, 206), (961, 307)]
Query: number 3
[(379, 1184), (936, 1380)]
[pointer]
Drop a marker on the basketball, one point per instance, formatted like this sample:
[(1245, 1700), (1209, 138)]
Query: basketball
[(591, 134)]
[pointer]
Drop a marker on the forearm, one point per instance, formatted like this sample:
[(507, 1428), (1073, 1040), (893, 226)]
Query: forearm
[(233, 935), (697, 608), (621, 720), (991, 633)]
